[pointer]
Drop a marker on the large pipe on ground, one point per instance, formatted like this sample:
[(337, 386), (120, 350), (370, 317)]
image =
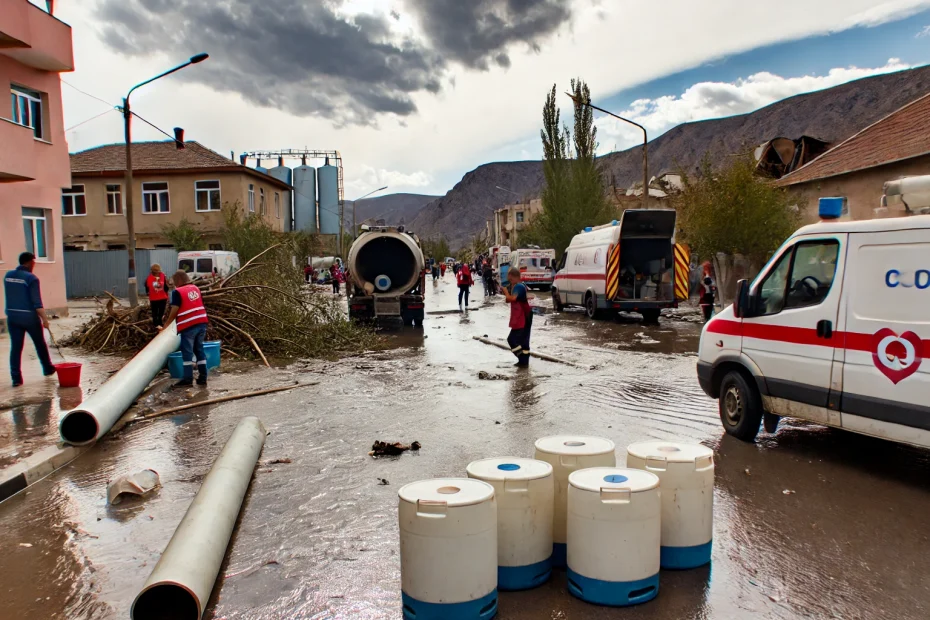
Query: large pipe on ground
[(94, 417), (181, 582)]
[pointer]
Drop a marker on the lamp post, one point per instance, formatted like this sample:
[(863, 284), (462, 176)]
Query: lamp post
[(130, 222), (645, 142), (354, 213)]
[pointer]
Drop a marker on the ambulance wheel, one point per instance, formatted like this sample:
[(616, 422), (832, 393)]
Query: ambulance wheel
[(557, 301), (740, 406), (590, 306)]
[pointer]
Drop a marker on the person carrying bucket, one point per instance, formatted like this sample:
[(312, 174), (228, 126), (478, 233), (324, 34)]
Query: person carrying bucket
[(187, 307), (25, 314), (521, 318), (156, 287)]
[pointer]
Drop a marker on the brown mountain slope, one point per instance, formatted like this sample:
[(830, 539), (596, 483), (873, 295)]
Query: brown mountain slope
[(833, 114)]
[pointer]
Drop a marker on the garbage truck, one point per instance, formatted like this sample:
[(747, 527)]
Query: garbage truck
[(386, 276)]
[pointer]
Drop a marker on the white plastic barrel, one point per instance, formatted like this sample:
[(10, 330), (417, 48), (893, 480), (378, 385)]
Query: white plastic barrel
[(613, 535), (568, 453), (524, 490), (686, 472), (448, 549)]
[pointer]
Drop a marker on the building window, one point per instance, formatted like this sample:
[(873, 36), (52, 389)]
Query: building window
[(519, 216), (251, 198), (207, 195), (114, 199), (277, 205), (35, 231), (27, 109), (155, 198), (73, 201), (261, 201)]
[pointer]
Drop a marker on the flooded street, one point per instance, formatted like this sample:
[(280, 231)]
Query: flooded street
[(809, 523)]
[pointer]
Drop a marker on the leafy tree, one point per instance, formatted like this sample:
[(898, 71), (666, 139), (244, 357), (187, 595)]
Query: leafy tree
[(184, 236), (438, 249), (247, 234)]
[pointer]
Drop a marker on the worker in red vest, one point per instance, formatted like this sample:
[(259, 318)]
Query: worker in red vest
[(156, 287), (521, 317), (187, 307)]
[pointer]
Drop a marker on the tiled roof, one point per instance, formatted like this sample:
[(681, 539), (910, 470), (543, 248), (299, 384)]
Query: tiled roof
[(903, 134), (161, 156)]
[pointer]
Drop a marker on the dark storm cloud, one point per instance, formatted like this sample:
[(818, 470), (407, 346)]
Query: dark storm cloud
[(305, 58), (475, 32)]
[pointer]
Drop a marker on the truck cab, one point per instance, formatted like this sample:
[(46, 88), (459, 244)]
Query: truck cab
[(834, 330)]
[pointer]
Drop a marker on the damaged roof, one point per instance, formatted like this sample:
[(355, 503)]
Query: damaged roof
[(903, 134)]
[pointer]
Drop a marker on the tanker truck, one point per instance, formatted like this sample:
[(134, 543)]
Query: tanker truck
[(387, 277)]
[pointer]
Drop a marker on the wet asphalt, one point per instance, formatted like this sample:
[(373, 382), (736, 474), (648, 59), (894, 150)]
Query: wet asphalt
[(809, 523)]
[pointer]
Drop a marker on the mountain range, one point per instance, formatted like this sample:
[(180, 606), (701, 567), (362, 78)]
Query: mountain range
[(833, 115)]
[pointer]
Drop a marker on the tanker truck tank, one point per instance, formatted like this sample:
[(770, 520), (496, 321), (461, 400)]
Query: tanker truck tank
[(386, 271)]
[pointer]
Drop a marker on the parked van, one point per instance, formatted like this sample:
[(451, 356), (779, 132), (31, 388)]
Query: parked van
[(536, 266), (207, 263), (627, 265), (500, 260), (833, 330)]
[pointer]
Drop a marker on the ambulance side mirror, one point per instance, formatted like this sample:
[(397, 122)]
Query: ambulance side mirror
[(741, 305)]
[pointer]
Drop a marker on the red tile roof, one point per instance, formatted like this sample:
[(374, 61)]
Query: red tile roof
[(157, 156), (903, 134)]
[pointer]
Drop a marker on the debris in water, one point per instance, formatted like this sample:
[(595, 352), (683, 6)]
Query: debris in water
[(788, 492), (747, 472), (497, 421), (138, 483), (382, 448), (383, 482), (284, 461), (25, 544), (487, 376)]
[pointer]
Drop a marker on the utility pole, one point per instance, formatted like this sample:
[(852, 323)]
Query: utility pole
[(130, 210)]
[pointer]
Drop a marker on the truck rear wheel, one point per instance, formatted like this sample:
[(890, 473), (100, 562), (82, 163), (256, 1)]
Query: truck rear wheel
[(740, 406)]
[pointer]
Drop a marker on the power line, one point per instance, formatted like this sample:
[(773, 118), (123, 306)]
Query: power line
[(86, 93), (90, 119)]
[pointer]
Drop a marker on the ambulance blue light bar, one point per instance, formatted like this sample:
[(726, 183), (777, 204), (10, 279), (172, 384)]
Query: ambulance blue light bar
[(588, 229), (832, 208)]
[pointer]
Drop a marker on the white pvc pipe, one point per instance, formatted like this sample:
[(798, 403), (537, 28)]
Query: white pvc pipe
[(181, 582), (96, 415)]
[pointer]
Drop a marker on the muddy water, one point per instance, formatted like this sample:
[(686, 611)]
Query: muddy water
[(318, 537)]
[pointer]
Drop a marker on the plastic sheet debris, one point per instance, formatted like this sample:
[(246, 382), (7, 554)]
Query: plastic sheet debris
[(489, 376), (382, 448), (138, 483)]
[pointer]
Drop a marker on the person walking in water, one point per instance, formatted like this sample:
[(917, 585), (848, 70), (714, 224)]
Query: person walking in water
[(156, 287), (521, 318), (25, 314), (465, 282), (708, 290), (187, 307)]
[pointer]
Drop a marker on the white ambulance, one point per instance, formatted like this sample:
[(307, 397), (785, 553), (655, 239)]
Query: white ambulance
[(833, 330), (628, 265), (536, 266)]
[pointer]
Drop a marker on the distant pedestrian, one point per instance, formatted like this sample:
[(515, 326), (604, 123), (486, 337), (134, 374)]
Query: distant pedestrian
[(487, 276), (442, 270), (521, 318), (308, 274), (156, 287), (455, 269), (187, 307), (334, 274), (25, 314), (434, 271), (708, 290), (465, 282)]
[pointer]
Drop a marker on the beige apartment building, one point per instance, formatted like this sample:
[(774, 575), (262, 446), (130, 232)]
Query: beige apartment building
[(169, 184), (509, 221)]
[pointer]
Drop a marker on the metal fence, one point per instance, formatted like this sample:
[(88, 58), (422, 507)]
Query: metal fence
[(91, 273)]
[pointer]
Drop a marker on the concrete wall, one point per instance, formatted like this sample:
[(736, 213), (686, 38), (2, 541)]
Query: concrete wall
[(507, 228), (862, 189), (33, 170), (97, 230)]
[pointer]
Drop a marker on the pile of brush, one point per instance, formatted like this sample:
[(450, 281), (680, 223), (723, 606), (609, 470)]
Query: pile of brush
[(263, 310)]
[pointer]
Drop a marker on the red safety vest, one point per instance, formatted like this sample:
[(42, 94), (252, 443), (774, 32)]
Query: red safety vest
[(192, 311)]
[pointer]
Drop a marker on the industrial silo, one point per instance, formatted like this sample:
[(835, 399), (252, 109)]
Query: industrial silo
[(283, 173), (305, 198), (329, 199)]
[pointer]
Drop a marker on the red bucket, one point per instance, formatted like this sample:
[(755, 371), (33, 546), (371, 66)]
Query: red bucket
[(69, 374)]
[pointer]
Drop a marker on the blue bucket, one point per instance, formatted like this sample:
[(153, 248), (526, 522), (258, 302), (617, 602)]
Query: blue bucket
[(176, 365), (211, 349)]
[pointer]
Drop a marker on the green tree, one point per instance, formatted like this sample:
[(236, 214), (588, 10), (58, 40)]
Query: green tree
[(184, 236), (437, 248), (247, 234)]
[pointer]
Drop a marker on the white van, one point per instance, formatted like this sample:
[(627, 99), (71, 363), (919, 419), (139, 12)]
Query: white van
[(207, 263), (627, 265), (536, 266), (833, 330)]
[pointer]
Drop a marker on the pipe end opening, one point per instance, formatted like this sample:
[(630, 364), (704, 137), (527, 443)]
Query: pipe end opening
[(166, 601), (79, 427)]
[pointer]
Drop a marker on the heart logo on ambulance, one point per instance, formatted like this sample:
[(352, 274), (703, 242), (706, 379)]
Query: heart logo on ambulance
[(897, 357)]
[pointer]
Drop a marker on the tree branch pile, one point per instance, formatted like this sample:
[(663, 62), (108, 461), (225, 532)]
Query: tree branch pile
[(262, 311)]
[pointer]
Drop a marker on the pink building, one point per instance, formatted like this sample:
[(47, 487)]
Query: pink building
[(34, 164)]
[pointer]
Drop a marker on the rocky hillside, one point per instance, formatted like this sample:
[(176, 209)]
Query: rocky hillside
[(833, 114), (394, 209)]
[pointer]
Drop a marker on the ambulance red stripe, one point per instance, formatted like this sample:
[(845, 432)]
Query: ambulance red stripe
[(851, 341), (580, 276)]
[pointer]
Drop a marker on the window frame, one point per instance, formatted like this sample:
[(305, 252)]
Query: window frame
[(34, 98), (519, 218), (261, 201), (791, 254), (208, 191), (251, 198), (166, 191), (121, 202), (46, 258), (73, 195), (277, 205)]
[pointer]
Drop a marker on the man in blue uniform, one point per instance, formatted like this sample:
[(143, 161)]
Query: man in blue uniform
[(25, 315)]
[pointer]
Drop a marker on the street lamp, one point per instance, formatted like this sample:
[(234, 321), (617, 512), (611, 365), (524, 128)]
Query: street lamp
[(355, 202), (130, 222), (645, 142)]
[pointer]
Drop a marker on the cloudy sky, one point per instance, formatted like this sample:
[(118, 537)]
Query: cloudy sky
[(415, 93)]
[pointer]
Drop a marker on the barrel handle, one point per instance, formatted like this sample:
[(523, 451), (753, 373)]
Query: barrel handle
[(568, 461), (656, 463), (516, 486), (616, 495), (432, 508), (703, 463)]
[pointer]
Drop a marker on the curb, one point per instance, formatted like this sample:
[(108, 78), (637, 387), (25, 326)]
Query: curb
[(33, 468)]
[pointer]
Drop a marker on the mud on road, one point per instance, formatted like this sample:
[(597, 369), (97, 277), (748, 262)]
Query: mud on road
[(810, 522)]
